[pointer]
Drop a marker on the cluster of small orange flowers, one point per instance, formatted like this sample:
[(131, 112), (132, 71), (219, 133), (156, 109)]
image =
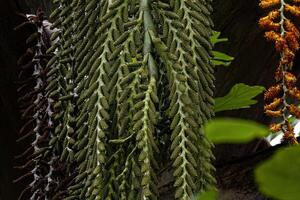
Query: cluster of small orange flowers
[(295, 10), (269, 3), (295, 93), (273, 92), (286, 36), (287, 43), (277, 105), (289, 135), (268, 21)]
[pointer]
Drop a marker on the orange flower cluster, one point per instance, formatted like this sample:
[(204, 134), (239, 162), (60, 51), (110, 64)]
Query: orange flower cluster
[(289, 135), (295, 10), (286, 36), (269, 3), (281, 31), (277, 105), (268, 23)]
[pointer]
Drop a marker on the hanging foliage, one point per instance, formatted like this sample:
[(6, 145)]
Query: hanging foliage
[(129, 80), (281, 98), (42, 167)]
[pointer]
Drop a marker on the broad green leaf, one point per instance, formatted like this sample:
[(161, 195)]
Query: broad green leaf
[(215, 38), (208, 195), (231, 130), (279, 177), (240, 96)]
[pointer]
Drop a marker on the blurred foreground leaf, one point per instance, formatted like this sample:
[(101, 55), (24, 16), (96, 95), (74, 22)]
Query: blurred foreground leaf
[(231, 130), (279, 177), (208, 195)]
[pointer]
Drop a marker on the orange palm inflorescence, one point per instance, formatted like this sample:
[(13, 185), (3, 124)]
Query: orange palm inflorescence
[(280, 99)]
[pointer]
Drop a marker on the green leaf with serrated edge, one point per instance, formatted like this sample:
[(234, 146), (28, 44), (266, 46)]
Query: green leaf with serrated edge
[(231, 130), (279, 177), (240, 96)]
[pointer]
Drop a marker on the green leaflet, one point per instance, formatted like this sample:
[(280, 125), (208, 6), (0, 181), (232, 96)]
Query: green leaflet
[(215, 38), (146, 142), (240, 96), (194, 67), (219, 58)]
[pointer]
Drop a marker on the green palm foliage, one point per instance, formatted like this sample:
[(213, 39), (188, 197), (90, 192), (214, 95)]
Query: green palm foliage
[(130, 79)]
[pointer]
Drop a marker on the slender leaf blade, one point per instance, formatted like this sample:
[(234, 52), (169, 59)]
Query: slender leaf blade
[(215, 38), (220, 58)]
